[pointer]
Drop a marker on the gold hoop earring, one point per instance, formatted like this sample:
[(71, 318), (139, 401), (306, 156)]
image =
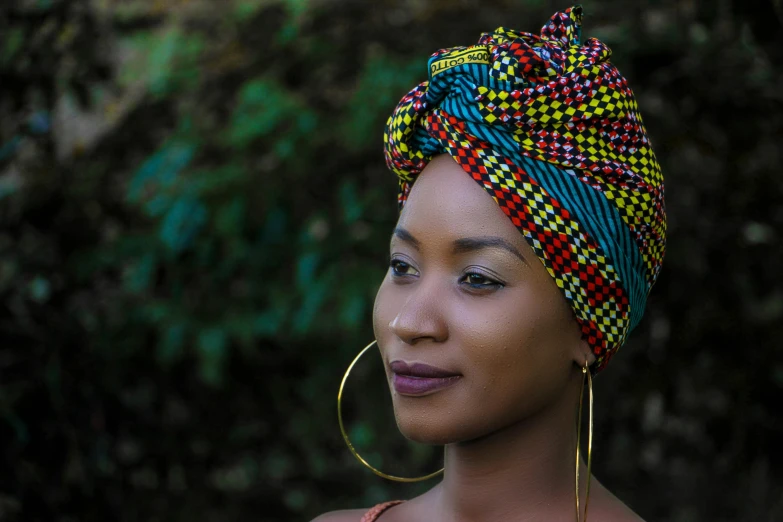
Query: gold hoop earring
[(348, 442), (585, 375)]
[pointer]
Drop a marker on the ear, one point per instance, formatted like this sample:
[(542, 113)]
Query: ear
[(582, 353)]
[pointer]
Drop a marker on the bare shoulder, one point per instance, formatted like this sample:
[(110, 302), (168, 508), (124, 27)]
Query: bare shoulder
[(606, 506), (620, 513), (344, 515)]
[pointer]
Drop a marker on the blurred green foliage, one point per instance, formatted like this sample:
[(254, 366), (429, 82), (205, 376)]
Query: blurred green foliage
[(194, 213)]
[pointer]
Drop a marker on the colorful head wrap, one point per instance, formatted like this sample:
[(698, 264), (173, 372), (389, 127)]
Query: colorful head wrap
[(551, 130)]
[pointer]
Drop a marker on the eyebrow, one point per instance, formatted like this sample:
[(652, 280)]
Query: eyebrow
[(466, 244), (406, 236)]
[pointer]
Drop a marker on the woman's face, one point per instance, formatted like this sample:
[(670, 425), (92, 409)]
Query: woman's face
[(466, 294)]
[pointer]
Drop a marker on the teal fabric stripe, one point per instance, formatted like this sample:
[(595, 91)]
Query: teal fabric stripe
[(602, 222), (455, 91), (459, 101)]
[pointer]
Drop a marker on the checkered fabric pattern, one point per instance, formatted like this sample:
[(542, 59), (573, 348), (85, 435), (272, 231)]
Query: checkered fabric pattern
[(551, 130)]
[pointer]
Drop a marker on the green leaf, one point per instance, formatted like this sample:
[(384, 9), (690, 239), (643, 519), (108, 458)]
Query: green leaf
[(246, 9), (297, 8), (170, 347), (139, 275), (40, 289), (212, 344), (230, 217), (159, 172), (164, 60), (224, 179), (305, 269), (260, 108), (314, 297), (350, 202), (269, 322), (352, 311), (275, 225), (12, 43), (156, 312), (362, 435), (182, 223), (160, 61), (263, 107)]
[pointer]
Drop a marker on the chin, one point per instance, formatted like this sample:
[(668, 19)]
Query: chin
[(435, 436), (431, 427)]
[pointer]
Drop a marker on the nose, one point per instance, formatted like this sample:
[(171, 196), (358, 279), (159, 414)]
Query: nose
[(421, 315)]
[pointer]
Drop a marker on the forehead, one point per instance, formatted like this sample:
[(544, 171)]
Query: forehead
[(446, 202)]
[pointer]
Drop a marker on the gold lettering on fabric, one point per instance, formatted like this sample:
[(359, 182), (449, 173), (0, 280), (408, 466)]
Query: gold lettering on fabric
[(474, 54)]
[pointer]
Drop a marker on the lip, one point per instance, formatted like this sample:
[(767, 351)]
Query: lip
[(420, 379), (420, 370)]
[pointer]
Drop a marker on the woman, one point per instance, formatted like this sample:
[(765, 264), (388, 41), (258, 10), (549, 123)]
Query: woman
[(511, 284)]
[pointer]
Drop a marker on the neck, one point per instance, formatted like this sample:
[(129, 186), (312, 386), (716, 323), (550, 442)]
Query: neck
[(525, 468)]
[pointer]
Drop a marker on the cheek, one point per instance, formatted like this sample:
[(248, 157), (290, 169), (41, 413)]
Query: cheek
[(515, 352), (501, 330), (383, 311)]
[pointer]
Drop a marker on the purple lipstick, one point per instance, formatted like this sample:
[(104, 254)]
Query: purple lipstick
[(419, 378)]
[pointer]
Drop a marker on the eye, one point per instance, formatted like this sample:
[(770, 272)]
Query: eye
[(480, 281), (400, 268)]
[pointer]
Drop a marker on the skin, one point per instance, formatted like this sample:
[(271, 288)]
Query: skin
[(492, 314)]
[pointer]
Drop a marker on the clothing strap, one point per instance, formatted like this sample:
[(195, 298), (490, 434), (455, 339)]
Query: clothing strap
[(376, 511)]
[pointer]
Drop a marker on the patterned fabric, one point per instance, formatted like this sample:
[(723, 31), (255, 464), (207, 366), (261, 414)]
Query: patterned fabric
[(551, 130), (376, 511)]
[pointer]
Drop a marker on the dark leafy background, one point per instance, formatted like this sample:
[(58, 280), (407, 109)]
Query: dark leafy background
[(194, 213)]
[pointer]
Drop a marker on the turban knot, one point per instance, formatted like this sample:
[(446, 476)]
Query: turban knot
[(551, 130)]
